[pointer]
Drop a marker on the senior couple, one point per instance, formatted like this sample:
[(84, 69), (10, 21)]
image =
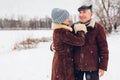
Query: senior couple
[(80, 49)]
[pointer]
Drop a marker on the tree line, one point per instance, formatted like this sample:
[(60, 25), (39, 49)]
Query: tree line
[(22, 24), (107, 12), (42, 23)]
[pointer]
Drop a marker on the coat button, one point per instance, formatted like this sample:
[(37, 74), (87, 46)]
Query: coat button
[(72, 59), (91, 51), (82, 55), (68, 50), (85, 64), (57, 76)]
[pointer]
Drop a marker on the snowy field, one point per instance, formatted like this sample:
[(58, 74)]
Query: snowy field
[(35, 64)]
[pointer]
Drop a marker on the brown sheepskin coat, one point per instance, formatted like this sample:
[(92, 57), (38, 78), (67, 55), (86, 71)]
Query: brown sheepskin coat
[(64, 40), (94, 54)]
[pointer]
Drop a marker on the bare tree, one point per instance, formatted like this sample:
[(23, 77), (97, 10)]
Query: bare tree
[(108, 12), (116, 14)]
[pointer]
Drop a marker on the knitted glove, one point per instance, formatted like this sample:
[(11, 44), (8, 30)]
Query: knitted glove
[(80, 27)]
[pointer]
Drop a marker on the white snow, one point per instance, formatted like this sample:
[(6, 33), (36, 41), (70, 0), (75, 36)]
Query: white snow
[(35, 64)]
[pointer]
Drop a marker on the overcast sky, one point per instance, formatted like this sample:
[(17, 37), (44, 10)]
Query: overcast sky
[(36, 8)]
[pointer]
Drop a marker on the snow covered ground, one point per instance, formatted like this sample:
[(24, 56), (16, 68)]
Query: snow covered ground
[(35, 64)]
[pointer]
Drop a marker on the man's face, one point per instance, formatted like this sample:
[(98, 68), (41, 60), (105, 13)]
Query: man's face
[(85, 15)]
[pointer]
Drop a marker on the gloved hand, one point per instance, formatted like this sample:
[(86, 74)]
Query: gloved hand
[(80, 27)]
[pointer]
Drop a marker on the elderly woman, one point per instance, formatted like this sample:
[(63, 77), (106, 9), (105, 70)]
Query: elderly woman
[(64, 40)]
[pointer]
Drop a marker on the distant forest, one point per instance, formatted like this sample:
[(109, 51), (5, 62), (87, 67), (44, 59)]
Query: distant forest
[(21, 24), (106, 12)]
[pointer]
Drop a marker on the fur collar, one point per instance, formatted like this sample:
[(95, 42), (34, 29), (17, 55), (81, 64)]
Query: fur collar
[(58, 26), (92, 24)]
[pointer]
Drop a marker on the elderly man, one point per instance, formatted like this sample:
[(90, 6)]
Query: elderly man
[(91, 59)]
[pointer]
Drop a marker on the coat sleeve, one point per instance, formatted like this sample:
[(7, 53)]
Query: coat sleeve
[(73, 39), (103, 48)]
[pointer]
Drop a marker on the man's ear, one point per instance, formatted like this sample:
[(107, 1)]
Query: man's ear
[(92, 15)]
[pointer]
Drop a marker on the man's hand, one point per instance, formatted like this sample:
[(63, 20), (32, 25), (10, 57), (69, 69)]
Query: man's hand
[(101, 72), (53, 47)]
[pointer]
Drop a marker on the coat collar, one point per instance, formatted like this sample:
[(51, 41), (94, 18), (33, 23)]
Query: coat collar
[(90, 23), (58, 26)]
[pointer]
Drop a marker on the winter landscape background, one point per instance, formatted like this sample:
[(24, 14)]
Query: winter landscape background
[(35, 63), (21, 19)]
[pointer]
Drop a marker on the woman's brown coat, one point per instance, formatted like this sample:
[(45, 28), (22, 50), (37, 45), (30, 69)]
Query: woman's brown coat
[(64, 40)]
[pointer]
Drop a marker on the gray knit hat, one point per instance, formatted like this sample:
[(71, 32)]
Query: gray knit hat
[(59, 15)]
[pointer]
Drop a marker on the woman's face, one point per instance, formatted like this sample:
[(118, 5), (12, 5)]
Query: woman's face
[(67, 21)]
